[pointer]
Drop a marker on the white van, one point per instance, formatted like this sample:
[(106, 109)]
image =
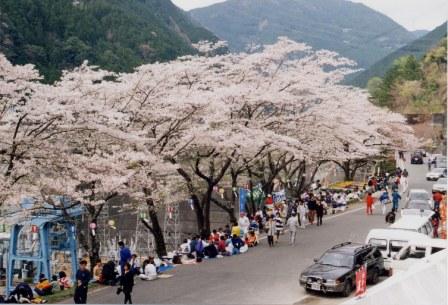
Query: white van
[(391, 241), (417, 223), (413, 252)]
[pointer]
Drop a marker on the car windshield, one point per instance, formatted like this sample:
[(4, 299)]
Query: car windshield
[(337, 259), (418, 205), (442, 181), (419, 196)]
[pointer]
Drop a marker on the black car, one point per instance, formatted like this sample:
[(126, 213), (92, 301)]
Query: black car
[(417, 158), (335, 270)]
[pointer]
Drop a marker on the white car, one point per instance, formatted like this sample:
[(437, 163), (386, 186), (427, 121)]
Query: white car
[(420, 195), (436, 173), (413, 252), (440, 185)]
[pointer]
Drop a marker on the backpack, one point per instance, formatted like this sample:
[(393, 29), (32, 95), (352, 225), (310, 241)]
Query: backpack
[(199, 247)]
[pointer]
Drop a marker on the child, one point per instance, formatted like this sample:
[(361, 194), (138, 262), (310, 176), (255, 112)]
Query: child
[(270, 230), (127, 283), (64, 281), (54, 282), (251, 239), (384, 198), (43, 287)]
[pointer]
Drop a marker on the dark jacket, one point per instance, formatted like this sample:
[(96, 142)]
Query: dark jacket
[(312, 204), (127, 281), (319, 209), (83, 276)]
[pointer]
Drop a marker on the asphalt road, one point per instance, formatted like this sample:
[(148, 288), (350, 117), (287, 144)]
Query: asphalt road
[(263, 275)]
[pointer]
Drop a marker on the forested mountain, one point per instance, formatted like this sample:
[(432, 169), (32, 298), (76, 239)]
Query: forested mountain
[(114, 34), (351, 29), (412, 86), (417, 48)]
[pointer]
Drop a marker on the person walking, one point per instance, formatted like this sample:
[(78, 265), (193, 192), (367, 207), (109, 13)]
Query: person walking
[(384, 198), (395, 200), (243, 223), (279, 226), (125, 255), (437, 198), (369, 203), (83, 277), (127, 283), (311, 209), (270, 230), (319, 212), (292, 224), (302, 214)]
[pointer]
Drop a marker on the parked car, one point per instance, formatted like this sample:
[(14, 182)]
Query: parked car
[(418, 205), (440, 186), (413, 252), (419, 194), (436, 173), (420, 223), (335, 270), (417, 158), (390, 241)]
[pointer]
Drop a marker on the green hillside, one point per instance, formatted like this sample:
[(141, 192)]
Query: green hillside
[(412, 86), (416, 48), (114, 34), (351, 29)]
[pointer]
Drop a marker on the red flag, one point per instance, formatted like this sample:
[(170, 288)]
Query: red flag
[(361, 281)]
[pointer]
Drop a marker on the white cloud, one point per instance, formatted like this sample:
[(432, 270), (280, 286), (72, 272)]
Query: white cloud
[(412, 14)]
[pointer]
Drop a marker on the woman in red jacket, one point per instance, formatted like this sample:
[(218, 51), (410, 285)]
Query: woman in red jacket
[(369, 202)]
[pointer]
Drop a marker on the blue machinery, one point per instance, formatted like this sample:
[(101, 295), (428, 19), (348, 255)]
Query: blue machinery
[(35, 239)]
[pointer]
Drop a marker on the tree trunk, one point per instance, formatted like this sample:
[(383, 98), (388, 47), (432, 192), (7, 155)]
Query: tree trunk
[(206, 201), (94, 253), (198, 211), (157, 233), (347, 172)]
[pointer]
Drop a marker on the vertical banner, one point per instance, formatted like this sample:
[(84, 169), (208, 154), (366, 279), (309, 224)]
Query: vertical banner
[(361, 281), (242, 194)]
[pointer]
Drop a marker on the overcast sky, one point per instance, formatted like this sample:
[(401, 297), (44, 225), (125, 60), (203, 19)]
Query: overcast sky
[(412, 14)]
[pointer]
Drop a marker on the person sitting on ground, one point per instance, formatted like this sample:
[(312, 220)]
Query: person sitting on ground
[(227, 230), (199, 249), (64, 281), (214, 237), (43, 287), (22, 293), (237, 243), (251, 239), (222, 245), (149, 270), (185, 247), (109, 274), (54, 283), (97, 272), (194, 241), (236, 230), (135, 264), (210, 251)]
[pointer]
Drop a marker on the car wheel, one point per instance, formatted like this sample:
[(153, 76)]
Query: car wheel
[(375, 277), (347, 288)]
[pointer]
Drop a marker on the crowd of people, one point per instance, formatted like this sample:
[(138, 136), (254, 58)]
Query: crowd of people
[(230, 240)]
